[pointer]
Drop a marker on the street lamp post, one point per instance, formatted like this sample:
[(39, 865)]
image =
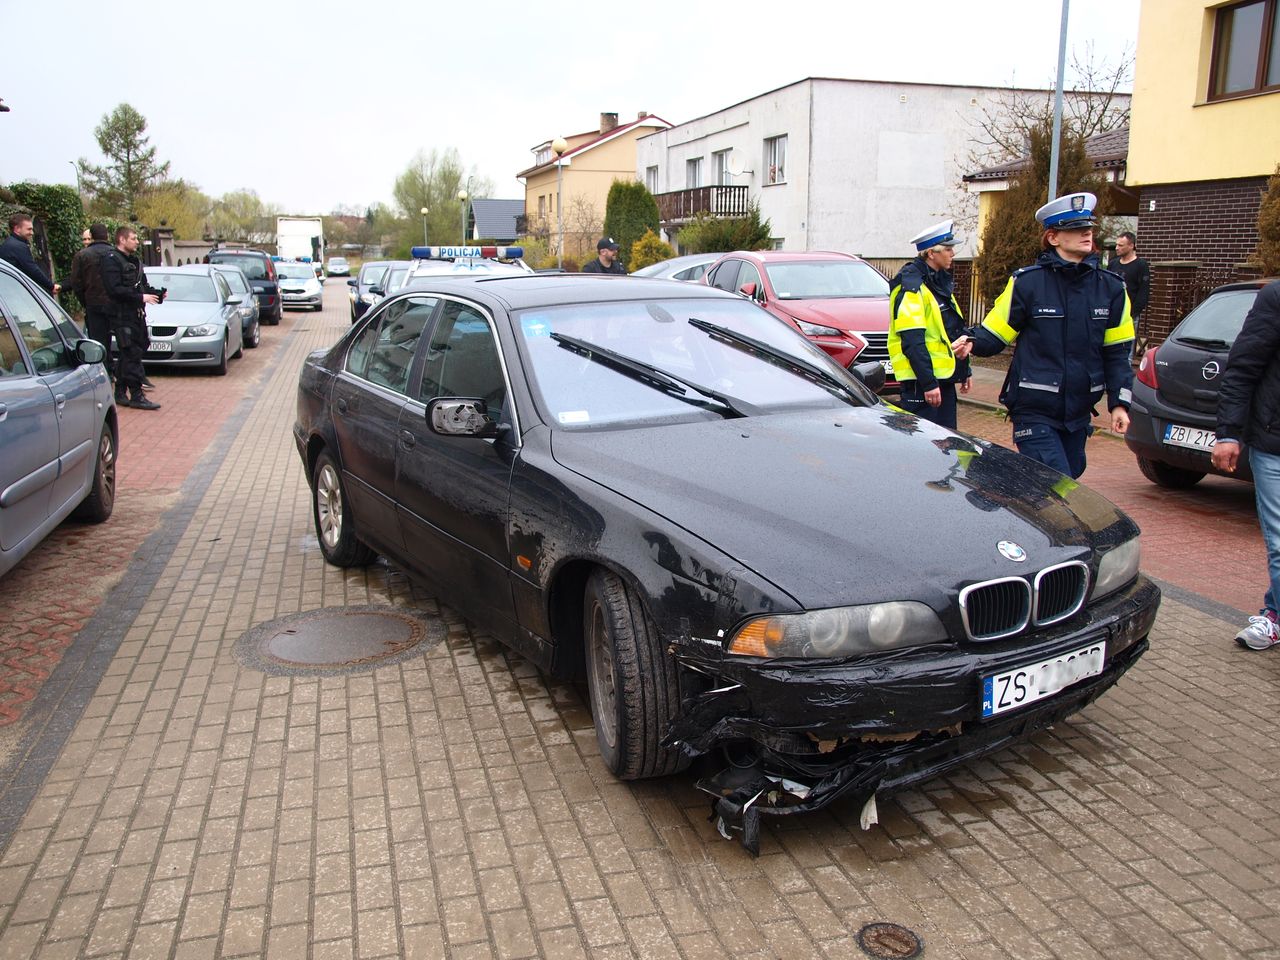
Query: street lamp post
[(558, 147), (76, 167), (462, 199), (425, 211)]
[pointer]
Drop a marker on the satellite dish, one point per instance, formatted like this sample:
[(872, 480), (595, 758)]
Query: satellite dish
[(735, 165)]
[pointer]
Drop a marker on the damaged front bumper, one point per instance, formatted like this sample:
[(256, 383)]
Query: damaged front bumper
[(802, 733)]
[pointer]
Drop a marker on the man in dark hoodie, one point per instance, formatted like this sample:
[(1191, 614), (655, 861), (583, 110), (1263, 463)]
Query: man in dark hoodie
[(86, 283), (1073, 328), (925, 318)]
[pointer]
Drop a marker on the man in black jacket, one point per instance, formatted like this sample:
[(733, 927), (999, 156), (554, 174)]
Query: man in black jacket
[(127, 286), (86, 283), (1249, 412), (17, 250), (1135, 272), (606, 260)]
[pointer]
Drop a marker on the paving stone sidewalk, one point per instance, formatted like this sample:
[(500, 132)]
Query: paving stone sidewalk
[(454, 803)]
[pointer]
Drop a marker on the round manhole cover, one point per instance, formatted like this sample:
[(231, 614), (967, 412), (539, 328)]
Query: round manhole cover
[(889, 941), (338, 640)]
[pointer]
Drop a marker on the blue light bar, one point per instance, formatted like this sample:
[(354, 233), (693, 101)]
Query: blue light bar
[(465, 253)]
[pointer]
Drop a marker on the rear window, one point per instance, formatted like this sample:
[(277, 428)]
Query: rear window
[(254, 267), (1218, 318)]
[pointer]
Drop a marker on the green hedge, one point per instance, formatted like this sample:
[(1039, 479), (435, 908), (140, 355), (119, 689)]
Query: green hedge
[(62, 213)]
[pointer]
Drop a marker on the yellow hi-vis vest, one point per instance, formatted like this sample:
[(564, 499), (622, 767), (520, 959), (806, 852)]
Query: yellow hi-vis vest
[(918, 310)]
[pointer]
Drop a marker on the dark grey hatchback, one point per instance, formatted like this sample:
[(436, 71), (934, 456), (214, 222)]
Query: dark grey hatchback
[(1175, 394), (746, 554)]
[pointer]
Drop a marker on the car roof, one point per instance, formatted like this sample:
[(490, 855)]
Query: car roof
[(201, 268), (239, 253), (1255, 284), (518, 292)]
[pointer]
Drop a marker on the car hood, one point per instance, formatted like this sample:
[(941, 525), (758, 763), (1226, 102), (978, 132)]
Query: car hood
[(174, 313), (845, 313), (838, 506)]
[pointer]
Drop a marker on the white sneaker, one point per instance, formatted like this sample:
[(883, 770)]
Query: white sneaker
[(1260, 634)]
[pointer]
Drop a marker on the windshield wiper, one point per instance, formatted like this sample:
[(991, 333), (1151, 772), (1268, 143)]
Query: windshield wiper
[(1213, 343), (646, 373), (780, 358)]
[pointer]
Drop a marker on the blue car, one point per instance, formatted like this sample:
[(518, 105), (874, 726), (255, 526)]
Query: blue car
[(57, 420)]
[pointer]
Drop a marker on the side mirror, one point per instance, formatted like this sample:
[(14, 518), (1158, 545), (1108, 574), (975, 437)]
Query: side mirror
[(352, 282), (455, 417), (748, 290), (871, 373), (235, 300), (377, 291), (90, 351)]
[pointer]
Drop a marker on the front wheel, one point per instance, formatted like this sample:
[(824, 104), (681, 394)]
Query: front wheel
[(1171, 478), (255, 336), (220, 368), (332, 515), (97, 506), (631, 679)]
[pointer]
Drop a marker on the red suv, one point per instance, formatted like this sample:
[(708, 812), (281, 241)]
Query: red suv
[(839, 302)]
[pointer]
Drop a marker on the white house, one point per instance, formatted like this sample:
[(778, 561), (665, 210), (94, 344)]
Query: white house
[(853, 165)]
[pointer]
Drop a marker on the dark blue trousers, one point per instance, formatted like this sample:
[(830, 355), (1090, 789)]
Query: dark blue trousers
[(1063, 450), (944, 415)]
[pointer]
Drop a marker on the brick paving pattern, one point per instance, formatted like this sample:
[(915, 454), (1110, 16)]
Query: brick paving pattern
[(454, 803)]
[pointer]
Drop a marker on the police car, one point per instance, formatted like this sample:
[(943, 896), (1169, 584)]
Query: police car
[(466, 262)]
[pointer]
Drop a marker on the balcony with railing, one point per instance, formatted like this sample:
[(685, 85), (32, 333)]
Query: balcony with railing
[(718, 201)]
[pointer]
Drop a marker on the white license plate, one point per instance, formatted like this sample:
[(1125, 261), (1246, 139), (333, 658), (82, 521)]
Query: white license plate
[(160, 346), (1177, 435), (1035, 681), (888, 367)]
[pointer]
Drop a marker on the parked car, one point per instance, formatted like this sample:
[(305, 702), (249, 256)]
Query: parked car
[(838, 301), (57, 420), (338, 267), (360, 285), (392, 280), (691, 267), (198, 324), (617, 478), (250, 327), (261, 273), (1175, 394), (298, 285)]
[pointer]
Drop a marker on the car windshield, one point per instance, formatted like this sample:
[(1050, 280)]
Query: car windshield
[(578, 391), (825, 279), (1217, 319), (372, 275), (254, 267), (337, 262), (295, 271), (184, 287)]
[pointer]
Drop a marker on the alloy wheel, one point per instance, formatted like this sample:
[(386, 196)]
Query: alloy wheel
[(329, 506)]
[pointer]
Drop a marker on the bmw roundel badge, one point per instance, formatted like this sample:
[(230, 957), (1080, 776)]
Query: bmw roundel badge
[(1011, 551)]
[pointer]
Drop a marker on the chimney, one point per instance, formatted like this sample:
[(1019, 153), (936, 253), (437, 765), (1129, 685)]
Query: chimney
[(642, 114), (608, 121)]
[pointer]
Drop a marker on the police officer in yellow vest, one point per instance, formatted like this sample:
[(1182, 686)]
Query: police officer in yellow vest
[(925, 320)]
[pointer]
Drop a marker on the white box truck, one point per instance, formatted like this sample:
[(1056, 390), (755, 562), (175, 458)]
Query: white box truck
[(299, 238)]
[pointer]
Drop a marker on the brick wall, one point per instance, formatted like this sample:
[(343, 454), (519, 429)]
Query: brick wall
[(1198, 236)]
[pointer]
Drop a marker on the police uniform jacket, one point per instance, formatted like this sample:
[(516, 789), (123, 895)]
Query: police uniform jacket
[(1249, 398), (125, 283), (1073, 330), (925, 320)]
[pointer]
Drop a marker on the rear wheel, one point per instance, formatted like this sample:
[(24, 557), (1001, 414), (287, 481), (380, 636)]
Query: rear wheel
[(334, 528), (631, 679), (97, 506), (1172, 478)]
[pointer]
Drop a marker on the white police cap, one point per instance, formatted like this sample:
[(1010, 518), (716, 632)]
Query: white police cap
[(1071, 212), (940, 234)]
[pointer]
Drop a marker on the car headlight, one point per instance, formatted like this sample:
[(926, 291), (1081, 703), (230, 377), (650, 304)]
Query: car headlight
[(368, 298), (840, 631), (205, 330), (1117, 567), (817, 330)]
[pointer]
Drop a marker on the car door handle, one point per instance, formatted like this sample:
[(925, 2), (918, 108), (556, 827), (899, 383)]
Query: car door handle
[(342, 404), (407, 439), (4, 411), (60, 401)]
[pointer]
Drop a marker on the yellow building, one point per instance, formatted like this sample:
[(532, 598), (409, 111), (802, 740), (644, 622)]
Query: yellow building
[(1204, 136), (588, 167)]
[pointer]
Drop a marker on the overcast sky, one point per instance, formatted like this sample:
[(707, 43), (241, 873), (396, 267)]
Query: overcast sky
[(322, 103)]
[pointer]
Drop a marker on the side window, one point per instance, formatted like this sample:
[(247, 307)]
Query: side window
[(462, 359), (399, 329), (724, 276), (11, 362), (749, 274), (220, 281), (33, 326)]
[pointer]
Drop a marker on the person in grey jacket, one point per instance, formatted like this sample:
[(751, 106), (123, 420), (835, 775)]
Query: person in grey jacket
[(1249, 412)]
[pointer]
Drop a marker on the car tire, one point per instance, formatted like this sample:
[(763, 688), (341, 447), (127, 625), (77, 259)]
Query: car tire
[(1171, 478), (255, 336), (220, 368), (631, 680), (319, 307), (240, 349), (332, 515), (97, 506), (274, 320)]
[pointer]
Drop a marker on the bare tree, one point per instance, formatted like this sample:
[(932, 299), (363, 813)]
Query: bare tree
[(582, 228)]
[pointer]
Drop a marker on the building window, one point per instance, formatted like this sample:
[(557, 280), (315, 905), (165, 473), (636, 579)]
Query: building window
[(775, 160), (542, 205), (542, 155), (777, 243), (1246, 49), (693, 173), (720, 174), (651, 179)]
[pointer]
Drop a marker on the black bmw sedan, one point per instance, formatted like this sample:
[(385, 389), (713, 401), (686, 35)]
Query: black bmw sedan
[(660, 488)]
